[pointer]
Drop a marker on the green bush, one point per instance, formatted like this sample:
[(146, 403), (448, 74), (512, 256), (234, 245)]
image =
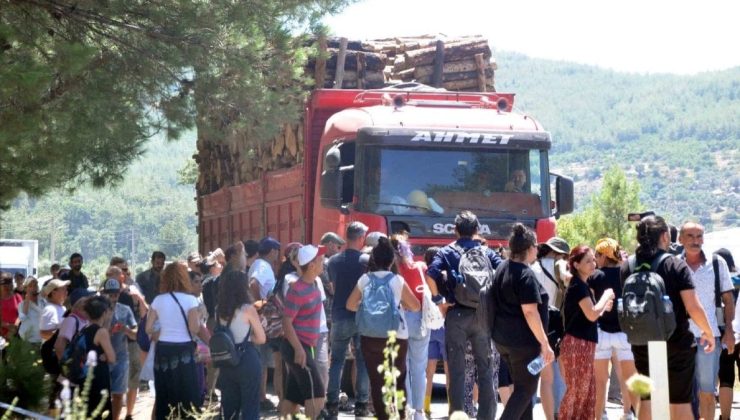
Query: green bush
[(22, 376)]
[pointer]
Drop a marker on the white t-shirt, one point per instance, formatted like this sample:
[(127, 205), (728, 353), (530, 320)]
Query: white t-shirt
[(30, 322), (174, 328), (396, 284), (261, 271), (51, 317), (291, 278), (550, 287), (703, 279)]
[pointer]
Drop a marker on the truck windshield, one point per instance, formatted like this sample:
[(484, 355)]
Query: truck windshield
[(492, 183)]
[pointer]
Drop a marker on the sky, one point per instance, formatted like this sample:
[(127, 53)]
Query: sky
[(641, 36)]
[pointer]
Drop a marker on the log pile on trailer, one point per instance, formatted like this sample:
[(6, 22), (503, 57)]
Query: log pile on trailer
[(456, 64)]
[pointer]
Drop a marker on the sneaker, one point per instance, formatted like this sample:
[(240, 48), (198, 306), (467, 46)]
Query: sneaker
[(361, 410), (418, 415), (332, 410), (630, 416), (267, 405)]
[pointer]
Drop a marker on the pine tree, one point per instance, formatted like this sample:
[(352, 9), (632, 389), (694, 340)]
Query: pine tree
[(85, 84)]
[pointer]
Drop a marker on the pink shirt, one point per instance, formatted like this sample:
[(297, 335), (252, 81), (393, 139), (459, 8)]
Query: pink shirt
[(9, 311)]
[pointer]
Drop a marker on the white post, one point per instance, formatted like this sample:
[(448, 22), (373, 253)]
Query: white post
[(658, 359)]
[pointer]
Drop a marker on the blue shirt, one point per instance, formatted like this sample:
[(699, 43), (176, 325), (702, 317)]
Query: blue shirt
[(448, 258)]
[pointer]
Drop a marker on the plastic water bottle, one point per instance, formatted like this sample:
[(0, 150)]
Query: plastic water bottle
[(535, 366), (667, 304), (620, 305)]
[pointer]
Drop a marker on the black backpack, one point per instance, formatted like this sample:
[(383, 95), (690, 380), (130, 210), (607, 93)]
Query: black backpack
[(647, 312), (473, 276), (225, 353)]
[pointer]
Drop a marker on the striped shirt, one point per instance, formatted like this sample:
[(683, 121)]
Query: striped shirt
[(303, 307)]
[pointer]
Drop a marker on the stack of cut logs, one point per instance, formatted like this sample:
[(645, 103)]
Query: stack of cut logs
[(231, 156), (459, 64)]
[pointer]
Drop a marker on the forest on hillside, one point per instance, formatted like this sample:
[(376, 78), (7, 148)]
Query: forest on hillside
[(678, 136)]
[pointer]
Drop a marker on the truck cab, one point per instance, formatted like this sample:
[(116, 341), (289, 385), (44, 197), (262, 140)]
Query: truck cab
[(410, 161)]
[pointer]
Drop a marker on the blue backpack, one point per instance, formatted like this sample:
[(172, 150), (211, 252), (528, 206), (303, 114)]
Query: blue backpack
[(378, 312), (74, 359)]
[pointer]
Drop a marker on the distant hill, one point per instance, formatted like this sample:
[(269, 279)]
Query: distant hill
[(679, 136)]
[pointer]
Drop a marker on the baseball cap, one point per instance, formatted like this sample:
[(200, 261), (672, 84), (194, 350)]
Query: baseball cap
[(332, 237), (78, 294), (727, 256), (371, 240), (267, 244), (111, 286), (52, 285), (558, 245), (307, 253)]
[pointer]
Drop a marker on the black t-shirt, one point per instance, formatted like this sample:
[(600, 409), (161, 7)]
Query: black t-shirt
[(576, 323), (514, 285), (677, 277), (607, 278)]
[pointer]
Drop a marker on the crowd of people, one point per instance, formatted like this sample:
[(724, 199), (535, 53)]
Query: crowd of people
[(306, 312)]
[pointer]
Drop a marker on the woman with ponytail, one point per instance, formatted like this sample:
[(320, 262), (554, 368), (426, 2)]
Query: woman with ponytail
[(383, 256), (654, 239), (577, 351), (519, 320)]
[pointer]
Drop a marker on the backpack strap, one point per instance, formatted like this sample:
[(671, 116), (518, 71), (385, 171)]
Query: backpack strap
[(658, 260), (547, 274), (184, 317), (717, 290)]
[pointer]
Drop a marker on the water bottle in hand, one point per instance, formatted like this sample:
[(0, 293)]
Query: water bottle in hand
[(667, 304), (535, 366), (620, 305)]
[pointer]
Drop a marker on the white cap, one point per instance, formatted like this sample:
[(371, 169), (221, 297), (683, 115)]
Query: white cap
[(307, 253)]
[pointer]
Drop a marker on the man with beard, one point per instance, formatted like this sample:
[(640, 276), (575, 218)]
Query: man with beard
[(77, 279), (148, 280)]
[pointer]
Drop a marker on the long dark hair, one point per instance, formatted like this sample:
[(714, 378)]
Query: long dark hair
[(383, 254), (233, 292), (649, 231), (520, 240)]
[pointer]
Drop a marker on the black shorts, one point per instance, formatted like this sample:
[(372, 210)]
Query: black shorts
[(681, 363), (301, 383), (504, 377), (727, 367)]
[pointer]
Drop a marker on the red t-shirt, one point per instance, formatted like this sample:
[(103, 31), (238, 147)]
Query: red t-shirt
[(9, 311), (413, 275)]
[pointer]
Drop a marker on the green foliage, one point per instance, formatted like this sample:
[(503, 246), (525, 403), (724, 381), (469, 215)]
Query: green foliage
[(677, 136), (85, 84), (22, 376), (150, 205), (606, 214), (393, 398)]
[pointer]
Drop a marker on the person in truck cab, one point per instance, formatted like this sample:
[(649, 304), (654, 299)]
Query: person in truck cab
[(517, 181)]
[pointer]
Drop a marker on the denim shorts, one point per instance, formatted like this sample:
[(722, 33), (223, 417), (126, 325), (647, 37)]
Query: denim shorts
[(707, 366), (119, 376), (436, 349)]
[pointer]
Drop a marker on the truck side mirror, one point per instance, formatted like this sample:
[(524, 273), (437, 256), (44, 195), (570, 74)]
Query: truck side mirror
[(331, 179), (563, 195)]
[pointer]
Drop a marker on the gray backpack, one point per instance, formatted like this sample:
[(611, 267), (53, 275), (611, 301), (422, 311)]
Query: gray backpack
[(473, 276), (647, 311)]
